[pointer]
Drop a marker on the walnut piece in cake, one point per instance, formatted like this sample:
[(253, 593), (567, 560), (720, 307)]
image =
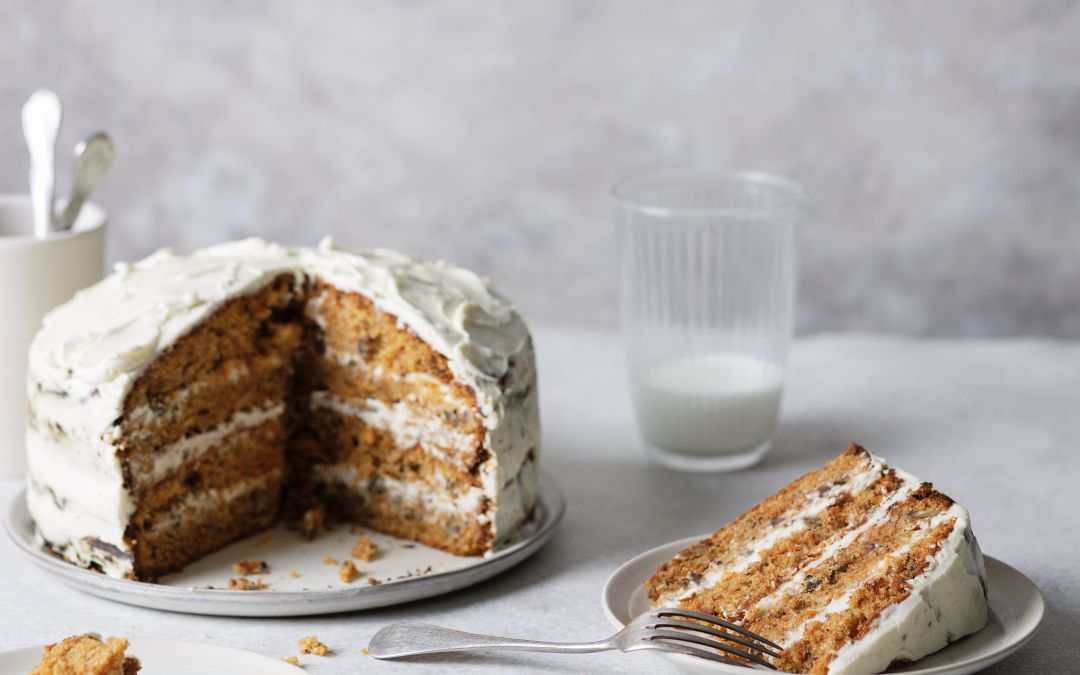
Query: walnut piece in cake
[(252, 566), (348, 571), (364, 549), (87, 655), (311, 645)]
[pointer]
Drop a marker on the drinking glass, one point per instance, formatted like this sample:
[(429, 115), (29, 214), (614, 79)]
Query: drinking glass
[(707, 294)]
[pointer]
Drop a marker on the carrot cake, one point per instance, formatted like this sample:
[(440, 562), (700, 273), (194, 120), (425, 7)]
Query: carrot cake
[(849, 569), (87, 655), (184, 402)]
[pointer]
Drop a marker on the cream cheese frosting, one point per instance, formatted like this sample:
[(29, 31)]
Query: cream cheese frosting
[(91, 350)]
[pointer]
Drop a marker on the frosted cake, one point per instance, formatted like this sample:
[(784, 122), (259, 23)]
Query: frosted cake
[(849, 569), (187, 401)]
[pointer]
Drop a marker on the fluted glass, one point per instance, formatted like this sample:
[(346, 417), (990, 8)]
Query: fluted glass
[(708, 265)]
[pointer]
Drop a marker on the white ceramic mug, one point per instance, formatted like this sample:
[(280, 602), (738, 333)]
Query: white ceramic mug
[(35, 276)]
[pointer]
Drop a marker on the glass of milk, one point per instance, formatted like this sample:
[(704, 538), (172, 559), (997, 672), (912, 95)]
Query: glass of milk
[(707, 293)]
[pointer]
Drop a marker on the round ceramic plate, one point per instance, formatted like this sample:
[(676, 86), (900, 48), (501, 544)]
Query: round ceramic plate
[(169, 657), (303, 577), (1016, 610)]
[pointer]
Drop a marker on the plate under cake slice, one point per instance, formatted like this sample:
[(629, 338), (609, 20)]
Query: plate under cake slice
[(849, 569)]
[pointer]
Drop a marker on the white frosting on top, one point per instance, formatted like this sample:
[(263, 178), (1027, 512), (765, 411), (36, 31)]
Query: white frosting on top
[(92, 349)]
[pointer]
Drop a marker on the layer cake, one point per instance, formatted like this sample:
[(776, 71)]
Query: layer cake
[(187, 401)]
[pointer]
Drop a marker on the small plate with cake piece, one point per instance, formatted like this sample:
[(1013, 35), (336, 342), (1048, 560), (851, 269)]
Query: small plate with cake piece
[(168, 657), (301, 577), (1015, 612), (851, 569)]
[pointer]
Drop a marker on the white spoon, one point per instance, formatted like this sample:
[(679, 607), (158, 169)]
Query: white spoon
[(41, 123), (93, 157)]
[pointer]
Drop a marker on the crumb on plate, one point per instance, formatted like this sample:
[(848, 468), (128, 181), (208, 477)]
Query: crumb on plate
[(246, 585), (311, 645), (348, 571), (251, 566), (311, 525), (364, 549)]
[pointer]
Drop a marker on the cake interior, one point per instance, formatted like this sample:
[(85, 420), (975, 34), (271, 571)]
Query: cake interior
[(306, 402), (813, 566)]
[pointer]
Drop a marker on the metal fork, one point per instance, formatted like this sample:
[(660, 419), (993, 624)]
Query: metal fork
[(663, 629)]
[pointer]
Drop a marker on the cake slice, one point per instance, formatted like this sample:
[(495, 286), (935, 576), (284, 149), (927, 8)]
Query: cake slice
[(87, 655), (849, 569)]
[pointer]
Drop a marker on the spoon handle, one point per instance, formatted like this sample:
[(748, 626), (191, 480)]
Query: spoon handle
[(41, 123)]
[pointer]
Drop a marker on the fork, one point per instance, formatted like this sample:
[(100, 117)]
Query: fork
[(663, 629)]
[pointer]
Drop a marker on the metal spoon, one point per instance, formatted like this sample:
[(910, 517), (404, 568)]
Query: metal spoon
[(41, 122), (93, 157)]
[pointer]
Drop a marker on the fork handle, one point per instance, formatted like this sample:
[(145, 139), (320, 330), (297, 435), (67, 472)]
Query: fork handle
[(410, 639)]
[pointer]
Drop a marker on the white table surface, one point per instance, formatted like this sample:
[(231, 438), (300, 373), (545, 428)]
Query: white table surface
[(994, 424)]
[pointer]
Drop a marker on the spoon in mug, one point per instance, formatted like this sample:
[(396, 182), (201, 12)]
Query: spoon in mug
[(93, 157), (41, 122)]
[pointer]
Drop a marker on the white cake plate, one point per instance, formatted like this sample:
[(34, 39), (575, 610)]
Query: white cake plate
[(169, 657), (1016, 611), (303, 577)]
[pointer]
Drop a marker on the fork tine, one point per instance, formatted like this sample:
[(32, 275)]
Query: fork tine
[(661, 634), (700, 616), (707, 653), (697, 627)]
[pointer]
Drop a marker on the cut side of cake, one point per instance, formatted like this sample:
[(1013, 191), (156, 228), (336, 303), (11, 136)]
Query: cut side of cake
[(185, 402), (849, 569), (87, 655)]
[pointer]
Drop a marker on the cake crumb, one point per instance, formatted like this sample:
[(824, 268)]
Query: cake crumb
[(293, 660), (373, 581), (311, 645), (329, 561), (364, 549), (246, 585), (311, 525), (251, 566), (87, 654), (348, 571), (364, 652), (293, 574)]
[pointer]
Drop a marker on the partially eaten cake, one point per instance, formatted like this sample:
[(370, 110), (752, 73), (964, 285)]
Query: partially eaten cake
[(849, 569), (185, 402)]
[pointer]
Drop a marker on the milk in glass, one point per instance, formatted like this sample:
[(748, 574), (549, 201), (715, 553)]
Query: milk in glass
[(710, 403)]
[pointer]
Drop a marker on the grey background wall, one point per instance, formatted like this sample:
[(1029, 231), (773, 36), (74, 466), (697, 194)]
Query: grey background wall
[(939, 142)]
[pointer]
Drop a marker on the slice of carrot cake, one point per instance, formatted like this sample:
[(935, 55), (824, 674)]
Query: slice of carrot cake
[(849, 569)]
